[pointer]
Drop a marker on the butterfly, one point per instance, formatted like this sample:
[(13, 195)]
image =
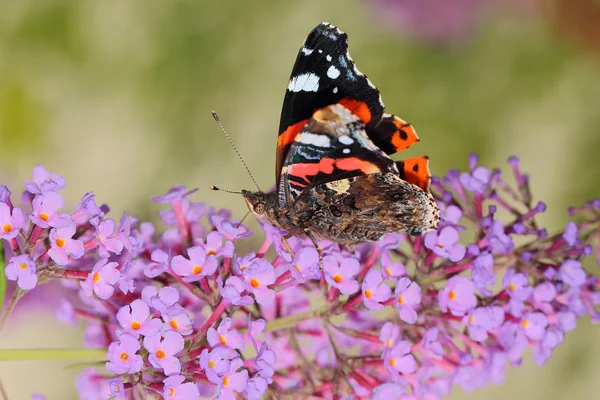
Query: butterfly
[(334, 177)]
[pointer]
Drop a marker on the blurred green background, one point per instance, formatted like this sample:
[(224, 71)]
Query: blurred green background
[(116, 97)]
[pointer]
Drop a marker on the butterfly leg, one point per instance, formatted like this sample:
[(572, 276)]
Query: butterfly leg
[(319, 249), (286, 244)]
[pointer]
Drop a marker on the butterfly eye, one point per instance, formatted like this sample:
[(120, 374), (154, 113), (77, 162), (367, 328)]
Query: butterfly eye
[(259, 208)]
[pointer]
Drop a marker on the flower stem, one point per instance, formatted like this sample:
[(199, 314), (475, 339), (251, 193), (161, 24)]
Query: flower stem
[(18, 293), (292, 320), (51, 354)]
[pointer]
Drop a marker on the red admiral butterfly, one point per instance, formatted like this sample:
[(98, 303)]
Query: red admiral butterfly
[(334, 178)]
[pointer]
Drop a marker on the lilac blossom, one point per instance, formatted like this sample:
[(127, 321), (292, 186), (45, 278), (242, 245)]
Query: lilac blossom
[(457, 327), (407, 298), (101, 279), (162, 351), (23, 270), (45, 211), (11, 221), (44, 181), (63, 245), (341, 275)]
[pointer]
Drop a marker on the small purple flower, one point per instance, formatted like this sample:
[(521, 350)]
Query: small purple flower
[(399, 359), (257, 277), (101, 279), (163, 300), (482, 272), (305, 265), (232, 230), (122, 356), (375, 291), (105, 234), (389, 269), (254, 328), (214, 245), (175, 389), (458, 296), (174, 196), (217, 360), (44, 181), (481, 320), (534, 324), (233, 381), (499, 241), (159, 264), (233, 290), (388, 391), (45, 208), (389, 335), (572, 273), (226, 336), (408, 297), (116, 387), (22, 269), (341, 275), (177, 320), (11, 222), (256, 387), (66, 313), (134, 320), (477, 180), (198, 266), (265, 360), (445, 244), (452, 214), (86, 209), (162, 352), (63, 245), (571, 234), (517, 285)]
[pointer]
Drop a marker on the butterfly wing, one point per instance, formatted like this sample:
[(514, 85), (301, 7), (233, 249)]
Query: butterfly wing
[(324, 74)]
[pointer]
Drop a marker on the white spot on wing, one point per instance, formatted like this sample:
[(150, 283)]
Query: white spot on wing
[(320, 51), (306, 51), (307, 82), (333, 72), (328, 57), (335, 89), (314, 139), (345, 139), (346, 151)]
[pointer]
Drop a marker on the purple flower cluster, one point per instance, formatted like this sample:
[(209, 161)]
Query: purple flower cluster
[(182, 314)]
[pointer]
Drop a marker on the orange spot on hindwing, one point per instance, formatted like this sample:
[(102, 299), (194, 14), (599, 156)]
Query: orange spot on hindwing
[(415, 171)]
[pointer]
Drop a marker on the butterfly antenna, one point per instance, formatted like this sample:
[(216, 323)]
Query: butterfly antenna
[(216, 189), (216, 117)]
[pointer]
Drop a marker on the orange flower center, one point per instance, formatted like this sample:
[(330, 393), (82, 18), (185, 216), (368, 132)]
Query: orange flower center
[(124, 356), (338, 278), (23, 266), (525, 323), (452, 295), (211, 364), (160, 354), (297, 268), (400, 299), (388, 343), (472, 319), (392, 362), (6, 228), (223, 340), (255, 283), (243, 267), (512, 287), (135, 325), (388, 271), (197, 269), (174, 324), (211, 252), (96, 277), (368, 293), (60, 242), (226, 381), (44, 216), (172, 392)]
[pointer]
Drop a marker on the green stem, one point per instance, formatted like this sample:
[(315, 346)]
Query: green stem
[(51, 354), (292, 320)]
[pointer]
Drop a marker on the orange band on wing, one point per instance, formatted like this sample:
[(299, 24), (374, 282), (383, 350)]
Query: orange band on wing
[(287, 137), (353, 163), (416, 171), (358, 108), (304, 170), (405, 136)]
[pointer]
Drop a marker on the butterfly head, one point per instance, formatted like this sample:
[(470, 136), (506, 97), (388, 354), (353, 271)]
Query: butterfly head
[(257, 201)]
